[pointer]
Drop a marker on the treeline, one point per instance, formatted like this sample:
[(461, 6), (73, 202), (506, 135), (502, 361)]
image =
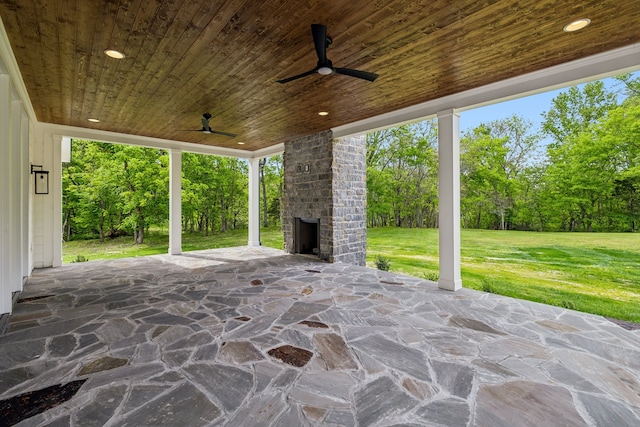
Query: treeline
[(111, 190), (580, 172)]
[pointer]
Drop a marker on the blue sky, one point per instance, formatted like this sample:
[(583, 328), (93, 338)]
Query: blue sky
[(530, 108)]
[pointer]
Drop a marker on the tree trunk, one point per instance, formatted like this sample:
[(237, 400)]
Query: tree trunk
[(101, 226), (67, 224), (139, 233), (223, 216)]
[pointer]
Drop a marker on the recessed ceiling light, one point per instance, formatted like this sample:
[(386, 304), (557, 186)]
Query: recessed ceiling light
[(240, 143), (114, 53), (576, 25), (323, 113), (94, 120)]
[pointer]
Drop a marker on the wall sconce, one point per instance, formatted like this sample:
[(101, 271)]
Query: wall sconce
[(41, 179)]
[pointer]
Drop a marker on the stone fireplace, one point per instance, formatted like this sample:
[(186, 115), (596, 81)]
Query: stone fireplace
[(325, 197)]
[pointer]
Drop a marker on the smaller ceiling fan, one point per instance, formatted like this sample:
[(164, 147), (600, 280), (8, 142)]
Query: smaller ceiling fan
[(207, 129), (324, 66)]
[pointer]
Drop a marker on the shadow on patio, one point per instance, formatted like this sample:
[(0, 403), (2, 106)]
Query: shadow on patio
[(252, 336)]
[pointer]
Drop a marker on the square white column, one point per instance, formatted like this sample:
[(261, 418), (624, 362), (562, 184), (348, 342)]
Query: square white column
[(175, 202), (449, 199), (254, 202)]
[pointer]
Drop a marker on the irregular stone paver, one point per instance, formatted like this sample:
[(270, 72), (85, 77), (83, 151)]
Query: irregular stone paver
[(418, 389), (300, 311), (102, 364), (26, 405), (291, 355), (334, 351), (229, 385), (260, 411), (454, 378), (183, 406), (526, 403), (379, 400), (607, 412), (313, 324), (239, 352), (314, 389), (449, 412), (395, 355), (192, 336), (101, 408)]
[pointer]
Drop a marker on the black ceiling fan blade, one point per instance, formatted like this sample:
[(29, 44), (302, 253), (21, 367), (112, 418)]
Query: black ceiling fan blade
[(320, 41), (299, 76), (232, 135), (356, 73)]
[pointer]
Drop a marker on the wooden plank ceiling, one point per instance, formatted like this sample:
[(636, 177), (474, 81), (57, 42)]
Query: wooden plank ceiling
[(187, 57)]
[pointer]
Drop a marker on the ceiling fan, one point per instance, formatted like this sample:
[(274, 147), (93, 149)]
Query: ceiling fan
[(207, 129), (322, 42)]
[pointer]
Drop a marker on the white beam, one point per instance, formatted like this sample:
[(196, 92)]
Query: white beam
[(269, 151), (175, 202), (254, 202), (449, 199), (143, 141)]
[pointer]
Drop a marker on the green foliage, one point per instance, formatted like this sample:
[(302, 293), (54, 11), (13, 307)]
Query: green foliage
[(402, 176), (214, 193), (494, 159), (382, 263), (586, 179), (488, 286), (80, 258), (431, 275), (110, 190)]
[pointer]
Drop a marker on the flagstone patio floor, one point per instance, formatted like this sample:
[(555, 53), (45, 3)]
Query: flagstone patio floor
[(256, 337)]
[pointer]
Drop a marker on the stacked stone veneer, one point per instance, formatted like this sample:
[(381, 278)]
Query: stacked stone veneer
[(325, 178)]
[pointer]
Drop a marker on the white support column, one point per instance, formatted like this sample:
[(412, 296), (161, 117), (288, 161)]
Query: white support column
[(25, 229), (55, 187), (254, 202), (6, 287), (449, 199), (175, 202), (15, 153)]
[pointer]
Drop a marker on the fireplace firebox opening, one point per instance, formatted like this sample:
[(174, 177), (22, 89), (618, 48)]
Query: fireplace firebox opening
[(307, 237)]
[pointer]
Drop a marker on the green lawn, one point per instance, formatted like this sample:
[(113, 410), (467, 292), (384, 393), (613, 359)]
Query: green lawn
[(157, 242), (592, 272)]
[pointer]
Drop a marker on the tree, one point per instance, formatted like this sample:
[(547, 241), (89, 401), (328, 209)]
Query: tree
[(90, 190), (572, 112), (494, 157), (145, 192), (272, 179), (402, 175), (581, 165)]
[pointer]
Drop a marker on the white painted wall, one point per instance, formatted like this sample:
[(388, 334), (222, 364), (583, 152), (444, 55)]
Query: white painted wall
[(14, 192), (47, 208)]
